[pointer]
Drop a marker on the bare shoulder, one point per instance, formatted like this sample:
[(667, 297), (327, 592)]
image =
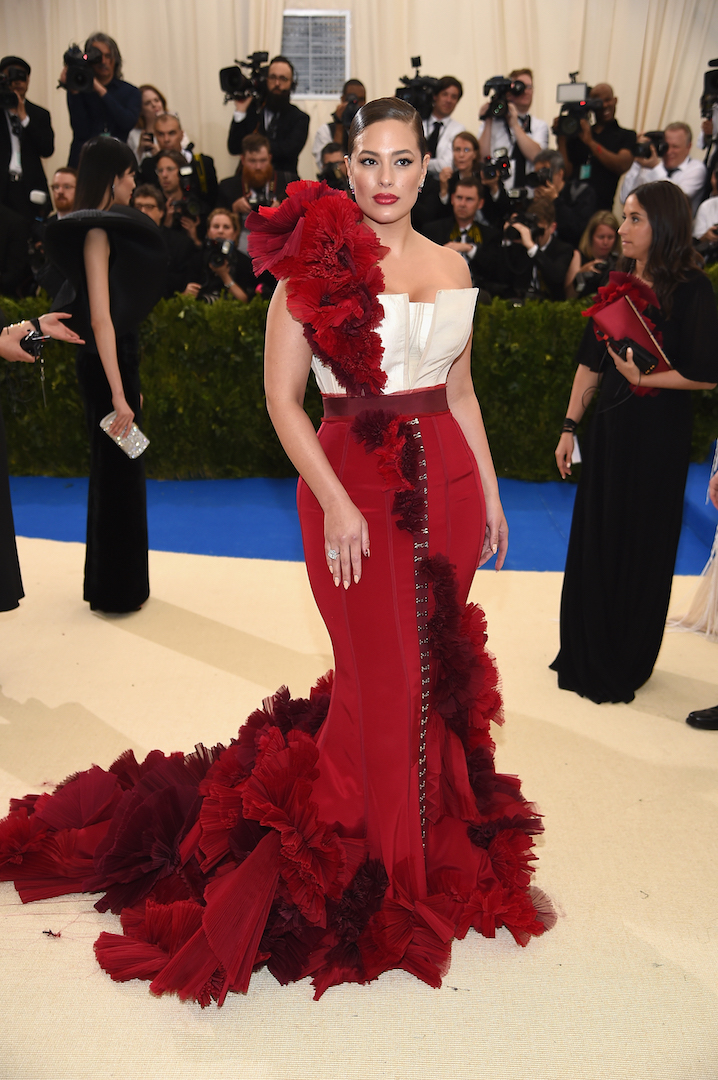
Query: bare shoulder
[(448, 266)]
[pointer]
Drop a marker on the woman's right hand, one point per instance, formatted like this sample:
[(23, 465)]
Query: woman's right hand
[(564, 453), (123, 421), (345, 531)]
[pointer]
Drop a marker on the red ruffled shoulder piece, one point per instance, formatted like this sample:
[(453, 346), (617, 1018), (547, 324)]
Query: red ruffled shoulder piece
[(318, 241)]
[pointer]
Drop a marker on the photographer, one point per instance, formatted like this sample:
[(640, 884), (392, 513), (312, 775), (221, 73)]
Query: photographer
[(535, 260), (184, 263), (598, 252), (141, 139), (284, 124), (574, 202), (227, 272), (256, 183), (479, 245), (523, 135), (705, 224), (353, 94), (675, 164), (334, 167), (112, 106), (26, 137), (199, 179), (180, 212), (14, 258), (440, 130), (600, 153)]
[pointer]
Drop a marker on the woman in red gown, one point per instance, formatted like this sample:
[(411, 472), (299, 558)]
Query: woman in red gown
[(364, 828)]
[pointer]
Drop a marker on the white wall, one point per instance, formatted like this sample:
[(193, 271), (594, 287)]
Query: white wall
[(653, 52)]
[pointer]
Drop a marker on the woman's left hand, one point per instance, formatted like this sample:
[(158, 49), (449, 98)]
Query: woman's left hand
[(496, 538), (52, 324), (627, 368)]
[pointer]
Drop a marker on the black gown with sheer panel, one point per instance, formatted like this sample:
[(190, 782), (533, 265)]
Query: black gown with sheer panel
[(116, 571), (629, 507)]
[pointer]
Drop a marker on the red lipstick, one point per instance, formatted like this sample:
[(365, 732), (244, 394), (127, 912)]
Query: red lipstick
[(386, 199)]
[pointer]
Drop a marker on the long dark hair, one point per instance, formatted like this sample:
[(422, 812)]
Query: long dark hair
[(387, 108), (672, 257), (102, 160)]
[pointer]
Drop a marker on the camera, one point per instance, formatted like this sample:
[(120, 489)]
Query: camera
[(8, 97), (351, 108), (532, 224), (333, 175), (500, 87), (257, 199), (538, 178), (709, 97), (587, 283), (218, 252), (80, 68), (419, 91), (656, 141), (238, 85), (498, 166), (575, 106)]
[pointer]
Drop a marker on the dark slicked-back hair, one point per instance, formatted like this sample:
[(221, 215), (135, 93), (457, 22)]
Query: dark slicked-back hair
[(387, 108), (114, 49), (102, 160), (672, 256)]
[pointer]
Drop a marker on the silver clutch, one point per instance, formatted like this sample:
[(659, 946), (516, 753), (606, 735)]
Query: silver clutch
[(133, 444)]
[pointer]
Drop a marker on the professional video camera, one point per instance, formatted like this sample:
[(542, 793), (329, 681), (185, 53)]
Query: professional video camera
[(500, 87), (80, 75), (8, 97), (419, 91), (709, 98), (575, 106), (656, 141), (522, 217), (497, 166), (238, 85)]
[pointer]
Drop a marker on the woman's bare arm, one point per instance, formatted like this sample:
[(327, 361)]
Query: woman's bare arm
[(97, 271), (287, 362), (466, 410)]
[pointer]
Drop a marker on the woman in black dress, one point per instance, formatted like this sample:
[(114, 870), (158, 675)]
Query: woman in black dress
[(11, 590), (627, 517), (114, 259)]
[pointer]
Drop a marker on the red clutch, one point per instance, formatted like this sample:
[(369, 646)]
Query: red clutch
[(617, 316)]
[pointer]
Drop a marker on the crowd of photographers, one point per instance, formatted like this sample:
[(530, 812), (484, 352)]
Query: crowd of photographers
[(531, 222)]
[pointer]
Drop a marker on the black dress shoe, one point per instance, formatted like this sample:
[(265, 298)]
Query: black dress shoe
[(706, 719)]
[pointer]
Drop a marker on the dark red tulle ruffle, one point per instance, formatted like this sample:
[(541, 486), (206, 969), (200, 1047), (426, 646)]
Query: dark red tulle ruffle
[(219, 863), (316, 239)]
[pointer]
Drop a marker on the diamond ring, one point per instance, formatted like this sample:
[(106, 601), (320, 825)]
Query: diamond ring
[(332, 554)]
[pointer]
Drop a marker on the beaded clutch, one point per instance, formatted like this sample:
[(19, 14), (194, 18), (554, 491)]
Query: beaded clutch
[(133, 444)]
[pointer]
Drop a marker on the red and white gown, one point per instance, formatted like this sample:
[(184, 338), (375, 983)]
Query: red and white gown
[(363, 828)]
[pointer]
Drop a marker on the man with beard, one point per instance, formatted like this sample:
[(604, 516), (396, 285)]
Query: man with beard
[(284, 124), (201, 183), (256, 183), (62, 187)]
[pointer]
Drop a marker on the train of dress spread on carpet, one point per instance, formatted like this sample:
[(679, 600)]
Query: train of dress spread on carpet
[(360, 829)]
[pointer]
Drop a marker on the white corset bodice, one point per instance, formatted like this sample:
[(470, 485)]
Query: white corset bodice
[(421, 341)]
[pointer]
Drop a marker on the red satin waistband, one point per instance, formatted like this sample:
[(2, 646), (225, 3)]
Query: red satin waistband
[(412, 403)]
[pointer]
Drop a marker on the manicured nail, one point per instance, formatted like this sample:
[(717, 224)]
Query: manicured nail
[(336, 581), (356, 579), (346, 584), (494, 548)]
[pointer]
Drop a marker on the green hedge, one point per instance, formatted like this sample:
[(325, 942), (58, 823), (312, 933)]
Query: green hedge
[(204, 405)]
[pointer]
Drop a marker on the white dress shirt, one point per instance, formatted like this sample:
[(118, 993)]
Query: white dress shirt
[(690, 176), (706, 217), (445, 146), (503, 136), (15, 164), (321, 139)]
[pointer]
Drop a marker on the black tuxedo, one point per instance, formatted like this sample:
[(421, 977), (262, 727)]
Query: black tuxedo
[(551, 267), (14, 264), (37, 141), (287, 134), (486, 264)]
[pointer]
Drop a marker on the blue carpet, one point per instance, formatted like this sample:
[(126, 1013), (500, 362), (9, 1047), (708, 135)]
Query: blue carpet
[(257, 518)]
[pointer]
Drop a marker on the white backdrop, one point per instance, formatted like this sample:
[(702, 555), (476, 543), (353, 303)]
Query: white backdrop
[(653, 52)]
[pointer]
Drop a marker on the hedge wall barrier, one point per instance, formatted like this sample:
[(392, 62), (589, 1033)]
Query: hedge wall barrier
[(204, 405)]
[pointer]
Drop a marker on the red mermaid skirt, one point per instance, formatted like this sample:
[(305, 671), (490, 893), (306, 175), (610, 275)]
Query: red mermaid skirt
[(342, 835)]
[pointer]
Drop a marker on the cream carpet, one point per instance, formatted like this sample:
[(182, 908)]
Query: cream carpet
[(625, 986)]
